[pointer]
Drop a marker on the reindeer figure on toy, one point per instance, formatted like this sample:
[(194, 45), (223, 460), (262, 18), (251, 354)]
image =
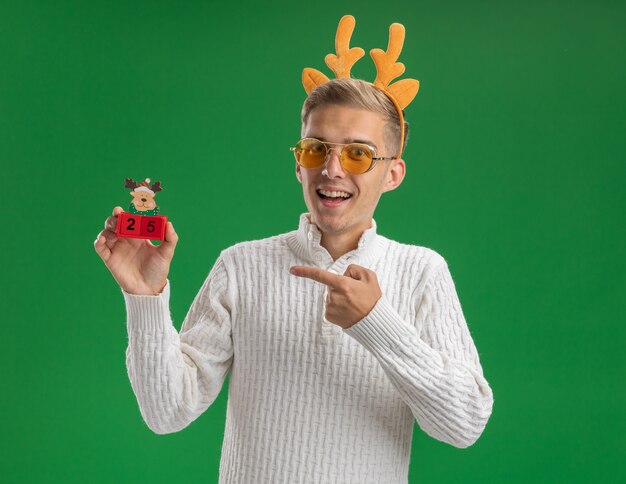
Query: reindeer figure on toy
[(141, 221), (143, 197)]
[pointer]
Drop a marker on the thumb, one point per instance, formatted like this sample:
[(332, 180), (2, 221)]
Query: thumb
[(355, 272), (171, 239)]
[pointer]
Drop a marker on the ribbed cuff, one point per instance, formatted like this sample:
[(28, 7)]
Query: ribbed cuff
[(383, 330), (148, 312)]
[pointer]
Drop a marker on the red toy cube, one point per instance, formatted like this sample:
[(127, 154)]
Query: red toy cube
[(153, 227), (128, 225), (141, 226)]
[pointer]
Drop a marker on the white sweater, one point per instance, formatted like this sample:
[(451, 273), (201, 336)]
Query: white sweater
[(307, 400)]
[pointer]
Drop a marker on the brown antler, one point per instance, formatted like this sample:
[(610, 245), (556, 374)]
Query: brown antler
[(130, 183), (156, 187)]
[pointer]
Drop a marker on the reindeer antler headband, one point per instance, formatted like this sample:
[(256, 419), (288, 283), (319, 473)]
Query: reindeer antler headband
[(401, 93)]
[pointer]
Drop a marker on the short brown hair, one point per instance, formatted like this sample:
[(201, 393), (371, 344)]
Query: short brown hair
[(362, 95)]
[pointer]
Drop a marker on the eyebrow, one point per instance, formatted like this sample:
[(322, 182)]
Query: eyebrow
[(348, 140), (365, 142)]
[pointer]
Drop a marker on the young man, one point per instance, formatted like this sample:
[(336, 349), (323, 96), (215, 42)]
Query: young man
[(336, 338)]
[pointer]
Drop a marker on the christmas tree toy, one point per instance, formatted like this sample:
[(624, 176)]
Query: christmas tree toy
[(141, 221)]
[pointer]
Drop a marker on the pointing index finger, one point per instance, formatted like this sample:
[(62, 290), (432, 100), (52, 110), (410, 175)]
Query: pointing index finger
[(317, 274)]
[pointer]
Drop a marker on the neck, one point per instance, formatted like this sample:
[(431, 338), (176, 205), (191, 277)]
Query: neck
[(341, 243), (338, 245)]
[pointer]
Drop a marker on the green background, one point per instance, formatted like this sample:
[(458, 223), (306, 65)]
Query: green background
[(516, 175)]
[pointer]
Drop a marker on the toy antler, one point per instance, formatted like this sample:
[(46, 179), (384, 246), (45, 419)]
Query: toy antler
[(130, 183), (346, 57), (387, 69), (342, 62), (156, 187)]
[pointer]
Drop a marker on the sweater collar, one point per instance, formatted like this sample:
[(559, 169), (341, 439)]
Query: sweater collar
[(305, 242)]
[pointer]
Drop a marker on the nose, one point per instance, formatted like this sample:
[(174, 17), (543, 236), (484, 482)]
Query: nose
[(143, 199), (333, 168)]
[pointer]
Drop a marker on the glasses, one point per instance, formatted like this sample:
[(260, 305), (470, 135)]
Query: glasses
[(355, 158)]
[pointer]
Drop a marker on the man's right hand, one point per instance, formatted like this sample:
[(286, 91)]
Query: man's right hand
[(138, 266)]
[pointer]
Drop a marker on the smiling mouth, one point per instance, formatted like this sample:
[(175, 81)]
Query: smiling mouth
[(333, 196)]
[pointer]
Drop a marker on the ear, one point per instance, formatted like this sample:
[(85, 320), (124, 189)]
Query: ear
[(298, 173), (132, 193), (395, 174)]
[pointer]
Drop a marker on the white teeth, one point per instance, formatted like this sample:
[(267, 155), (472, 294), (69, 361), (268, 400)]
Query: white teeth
[(334, 194)]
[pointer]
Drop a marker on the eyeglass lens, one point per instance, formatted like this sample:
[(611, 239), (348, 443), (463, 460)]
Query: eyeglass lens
[(355, 158)]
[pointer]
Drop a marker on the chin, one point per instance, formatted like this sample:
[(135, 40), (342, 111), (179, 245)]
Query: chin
[(329, 223)]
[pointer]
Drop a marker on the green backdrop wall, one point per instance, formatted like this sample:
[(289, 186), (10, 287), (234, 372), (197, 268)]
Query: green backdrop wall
[(516, 175)]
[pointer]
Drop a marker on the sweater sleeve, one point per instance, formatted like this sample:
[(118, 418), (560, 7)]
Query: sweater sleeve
[(175, 377), (437, 373)]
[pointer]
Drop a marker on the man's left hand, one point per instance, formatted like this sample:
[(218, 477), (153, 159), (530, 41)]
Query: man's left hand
[(351, 296)]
